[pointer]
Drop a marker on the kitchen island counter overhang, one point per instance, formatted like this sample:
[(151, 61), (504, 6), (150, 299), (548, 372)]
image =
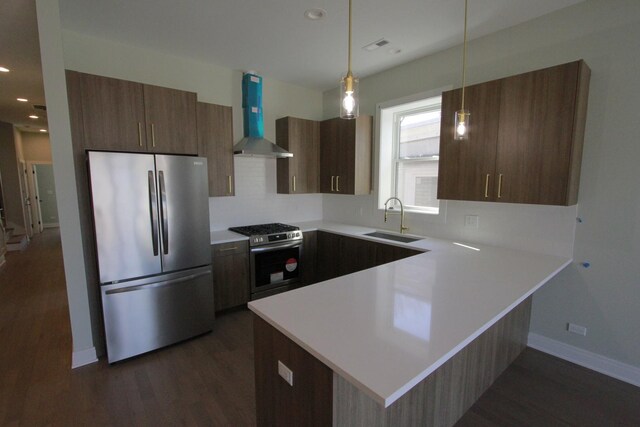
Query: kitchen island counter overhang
[(387, 328)]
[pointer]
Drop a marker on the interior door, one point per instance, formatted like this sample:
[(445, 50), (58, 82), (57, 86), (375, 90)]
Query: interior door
[(46, 195), (123, 194), (184, 211)]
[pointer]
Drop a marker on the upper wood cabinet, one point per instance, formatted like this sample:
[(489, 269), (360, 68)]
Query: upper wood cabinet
[(300, 173), (345, 155), (170, 116), (466, 168), (215, 142), (120, 115), (525, 139)]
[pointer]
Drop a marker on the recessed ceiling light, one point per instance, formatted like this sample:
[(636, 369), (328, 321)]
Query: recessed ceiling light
[(4, 70), (33, 116), (23, 99), (315, 14), (43, 130)]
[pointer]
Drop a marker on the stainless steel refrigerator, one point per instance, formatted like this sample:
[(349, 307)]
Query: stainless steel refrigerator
[(151, 221)]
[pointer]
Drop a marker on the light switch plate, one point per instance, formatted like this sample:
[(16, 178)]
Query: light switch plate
[(285, 373)]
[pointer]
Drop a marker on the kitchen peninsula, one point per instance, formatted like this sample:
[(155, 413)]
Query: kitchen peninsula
[(415, 341)]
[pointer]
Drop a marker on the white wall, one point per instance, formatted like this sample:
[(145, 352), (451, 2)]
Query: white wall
[(64, 172), (604, 298), (256, 199), (35, 147)]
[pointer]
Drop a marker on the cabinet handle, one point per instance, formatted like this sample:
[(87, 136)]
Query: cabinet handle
[(338, 183), (499, 186), (140, 134), (229, 184), (153, 135), (332, 178), (228, 249), (293, 179), (486, 187)]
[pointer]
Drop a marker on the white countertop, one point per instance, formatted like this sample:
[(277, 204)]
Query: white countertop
[(387, 328), (226, 236)]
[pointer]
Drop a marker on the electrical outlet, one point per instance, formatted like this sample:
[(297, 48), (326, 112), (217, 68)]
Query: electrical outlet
[(471, 221), (577, 329), (285, 373)]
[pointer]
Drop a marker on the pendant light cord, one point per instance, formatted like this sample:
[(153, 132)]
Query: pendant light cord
[(349, 50), (464, 51)]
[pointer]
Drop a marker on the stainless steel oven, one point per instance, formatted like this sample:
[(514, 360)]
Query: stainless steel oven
[(275, 253), (274, 268)]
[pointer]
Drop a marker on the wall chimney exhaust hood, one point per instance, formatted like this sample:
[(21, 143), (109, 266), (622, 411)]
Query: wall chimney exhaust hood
[(254, 143)]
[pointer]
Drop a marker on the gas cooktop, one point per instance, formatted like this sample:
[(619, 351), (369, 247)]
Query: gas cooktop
[(264, 234)]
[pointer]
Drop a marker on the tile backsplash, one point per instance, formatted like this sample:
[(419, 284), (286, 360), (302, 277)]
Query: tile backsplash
[(256, 200)]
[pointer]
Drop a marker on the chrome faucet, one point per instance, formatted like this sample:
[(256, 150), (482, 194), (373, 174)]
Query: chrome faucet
[(402, 227)]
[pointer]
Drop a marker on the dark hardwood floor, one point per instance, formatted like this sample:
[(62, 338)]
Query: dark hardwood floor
[(209, 380), (204, 381)]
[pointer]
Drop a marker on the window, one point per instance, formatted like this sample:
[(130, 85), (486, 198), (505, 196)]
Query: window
[(409, 152)]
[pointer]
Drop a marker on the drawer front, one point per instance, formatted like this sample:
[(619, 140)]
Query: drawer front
[(222, 249)]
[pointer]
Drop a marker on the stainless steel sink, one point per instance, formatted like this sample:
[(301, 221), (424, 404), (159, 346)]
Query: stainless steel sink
[(394, 237)]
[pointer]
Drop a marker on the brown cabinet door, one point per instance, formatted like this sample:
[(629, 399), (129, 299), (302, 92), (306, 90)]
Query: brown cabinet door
[(170, 116), (536, 134), (112, 113), (466, 169), (345, 156), (309, 257), (215, 142), (356, 255), (328, 255), (231, 274), (345, 160), (329, 153), (300, 173)]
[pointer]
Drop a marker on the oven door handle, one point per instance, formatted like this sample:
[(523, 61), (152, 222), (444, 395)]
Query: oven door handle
[(275, 247)]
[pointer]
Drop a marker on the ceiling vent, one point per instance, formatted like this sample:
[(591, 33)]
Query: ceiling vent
[(40, 107), (375, 45)]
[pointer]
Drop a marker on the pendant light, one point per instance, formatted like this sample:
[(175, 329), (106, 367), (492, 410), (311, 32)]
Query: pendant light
[(349, 102), (461, 128)]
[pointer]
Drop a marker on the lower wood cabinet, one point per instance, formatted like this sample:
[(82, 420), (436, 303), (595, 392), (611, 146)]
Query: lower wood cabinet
[(338, 255), (309, 257), (231, 274)]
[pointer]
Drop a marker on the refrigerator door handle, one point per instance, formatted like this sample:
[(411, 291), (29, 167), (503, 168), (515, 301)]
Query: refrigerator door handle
[(162, 284), (153, 212), (163, 213)]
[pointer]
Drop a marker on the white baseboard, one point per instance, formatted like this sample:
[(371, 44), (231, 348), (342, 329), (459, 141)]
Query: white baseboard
[(83, 357), (587, 359)]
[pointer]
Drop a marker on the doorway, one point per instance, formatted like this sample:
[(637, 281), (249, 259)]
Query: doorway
[(44, 209)]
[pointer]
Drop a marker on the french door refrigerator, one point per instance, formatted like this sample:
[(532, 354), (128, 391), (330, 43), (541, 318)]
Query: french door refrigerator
[(151, 221)]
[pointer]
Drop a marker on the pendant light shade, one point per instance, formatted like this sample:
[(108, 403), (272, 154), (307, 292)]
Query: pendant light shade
[(349, 99), (461, 120)]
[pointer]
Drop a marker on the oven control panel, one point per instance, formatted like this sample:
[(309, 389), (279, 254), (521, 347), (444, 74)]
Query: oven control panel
[(276, 237)]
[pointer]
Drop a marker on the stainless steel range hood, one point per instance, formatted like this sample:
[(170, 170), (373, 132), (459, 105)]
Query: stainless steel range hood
[(254, 143), (249, 146)]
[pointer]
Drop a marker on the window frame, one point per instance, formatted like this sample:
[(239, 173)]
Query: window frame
[(396, 160), (385, 182)]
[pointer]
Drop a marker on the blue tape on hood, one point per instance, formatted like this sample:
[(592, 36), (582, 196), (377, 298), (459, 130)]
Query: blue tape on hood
[(252, 106)]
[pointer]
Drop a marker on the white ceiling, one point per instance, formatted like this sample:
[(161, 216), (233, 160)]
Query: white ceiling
[(276, 40), (271, 37)]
